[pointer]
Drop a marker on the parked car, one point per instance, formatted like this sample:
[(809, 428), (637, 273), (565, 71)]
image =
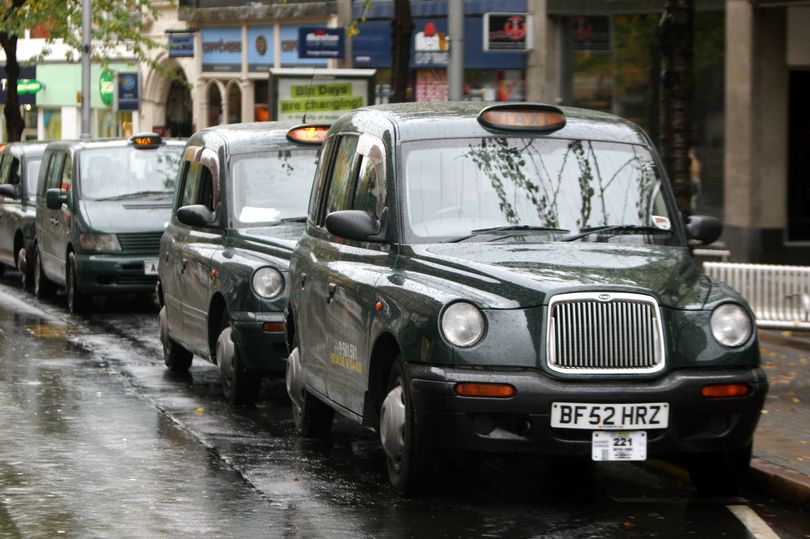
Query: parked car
[(101, 209), (19, 168), (514, 278), (241, 200)]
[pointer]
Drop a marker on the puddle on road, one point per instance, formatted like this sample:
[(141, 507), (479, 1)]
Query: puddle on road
[(51, 330)]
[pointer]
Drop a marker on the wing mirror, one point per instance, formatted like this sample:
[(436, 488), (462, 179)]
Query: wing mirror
[(54, 198), (703, 228), (8, 190), (356, 225), (196, 215)]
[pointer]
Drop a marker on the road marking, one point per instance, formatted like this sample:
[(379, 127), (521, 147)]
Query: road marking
[(752, 521)]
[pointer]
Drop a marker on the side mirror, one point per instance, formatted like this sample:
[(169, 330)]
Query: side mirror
[(8, 190), (196, 215), (703, 228), (54, 198), (355, 225)]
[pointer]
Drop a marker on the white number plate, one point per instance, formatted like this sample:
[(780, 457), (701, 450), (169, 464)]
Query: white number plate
[(150, 266), (579, 415), (619, 445)]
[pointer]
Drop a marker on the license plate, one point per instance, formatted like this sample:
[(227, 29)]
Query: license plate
[(619, 445), (150, 266), (589, 416)]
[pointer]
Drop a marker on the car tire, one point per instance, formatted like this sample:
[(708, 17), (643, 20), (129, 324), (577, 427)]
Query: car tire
[(313, 417), (2, 270), (43, 287), (176, 358), (241, 386), (407, 461), (25, 267), (76, 300), (719, 473)]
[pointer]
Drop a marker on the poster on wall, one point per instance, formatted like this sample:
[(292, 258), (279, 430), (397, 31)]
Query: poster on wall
[(318, 95), (509, 32)]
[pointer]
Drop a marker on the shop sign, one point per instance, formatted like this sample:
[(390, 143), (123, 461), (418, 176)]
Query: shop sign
[(222, 49), (181, 45), (430, 47), (321, 42), (127, 94), (290, 55), (590, 33), (27, 73), (106, 87), (261, 50), (511, 32), (28, 86)]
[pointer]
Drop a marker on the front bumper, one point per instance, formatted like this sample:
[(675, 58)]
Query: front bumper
[(522, 423), (108, 273), (261, 347)]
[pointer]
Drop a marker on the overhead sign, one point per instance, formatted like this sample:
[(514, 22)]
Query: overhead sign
[(290, 46), (321, 42), (510, 32), (181, 45), (430, 47), (222, 49), (319, 95), (127, 93), (29, 86)]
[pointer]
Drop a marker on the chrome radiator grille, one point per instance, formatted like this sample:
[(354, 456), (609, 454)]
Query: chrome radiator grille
[(604, 333), (142, 242)]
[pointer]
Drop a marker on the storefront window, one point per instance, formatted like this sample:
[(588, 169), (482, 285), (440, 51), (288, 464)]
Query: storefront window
[(113, 124), (52, 120)]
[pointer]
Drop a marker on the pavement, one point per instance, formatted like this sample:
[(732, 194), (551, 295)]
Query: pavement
[(781, 464)]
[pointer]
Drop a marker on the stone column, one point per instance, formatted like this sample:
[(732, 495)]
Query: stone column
[(541, 63)]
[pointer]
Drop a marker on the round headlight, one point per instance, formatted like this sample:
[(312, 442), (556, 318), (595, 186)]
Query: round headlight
[(462, 324), (268, 282), (731, 325)]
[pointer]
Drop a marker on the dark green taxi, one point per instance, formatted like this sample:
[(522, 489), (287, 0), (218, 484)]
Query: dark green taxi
[(240, 207), (19, 168), (101, 208), (514, 278)]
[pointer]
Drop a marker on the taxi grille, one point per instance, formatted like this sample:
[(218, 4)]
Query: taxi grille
[(142, 242), (605, 333)]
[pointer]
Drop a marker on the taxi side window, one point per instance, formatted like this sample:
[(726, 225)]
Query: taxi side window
[(190, 183), (344, 166), (321, 174), (370, 192), (10, 170), (55, 171), (205, 196), (66, 183)]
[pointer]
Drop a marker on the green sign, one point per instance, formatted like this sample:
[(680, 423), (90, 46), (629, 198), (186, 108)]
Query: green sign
[(106, 86), (29, 86)]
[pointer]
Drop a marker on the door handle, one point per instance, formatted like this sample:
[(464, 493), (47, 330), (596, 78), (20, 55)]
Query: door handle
[(303, 280), (330, 292), (183, 265), (54, 221)]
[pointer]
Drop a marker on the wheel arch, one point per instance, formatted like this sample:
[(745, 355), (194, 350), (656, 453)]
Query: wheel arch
[(19, 243), (383, 353), (216, 307)]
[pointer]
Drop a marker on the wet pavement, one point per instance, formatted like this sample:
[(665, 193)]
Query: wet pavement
[(98, 439)]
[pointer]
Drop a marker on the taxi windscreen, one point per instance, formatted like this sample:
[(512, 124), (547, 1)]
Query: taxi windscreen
[(121, 173), (273, 186), (552, 189), (31, 176)]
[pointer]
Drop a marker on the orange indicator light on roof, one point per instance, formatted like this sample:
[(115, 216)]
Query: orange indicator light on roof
[(308, 134), (498, 391), (522, 117)]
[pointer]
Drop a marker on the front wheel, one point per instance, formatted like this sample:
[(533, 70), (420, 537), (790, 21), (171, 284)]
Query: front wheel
[(26, 268), (176, 358), (313, 418), (240, 385), (719, 473), (43, 287), (408, 465)]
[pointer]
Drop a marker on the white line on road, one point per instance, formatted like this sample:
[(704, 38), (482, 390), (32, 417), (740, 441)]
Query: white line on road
[(753, 522)]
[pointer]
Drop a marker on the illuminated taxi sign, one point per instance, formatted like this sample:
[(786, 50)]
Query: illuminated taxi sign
[(146, 140), (308, 134), (522, 117)]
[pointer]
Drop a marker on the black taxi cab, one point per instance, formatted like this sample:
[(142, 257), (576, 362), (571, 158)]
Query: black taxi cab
[(101, 208), (239, 209), (19, 168), (514, 278)]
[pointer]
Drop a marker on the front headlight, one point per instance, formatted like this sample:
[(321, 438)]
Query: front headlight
[(731, 325), (268, 282), (99, 242), (462, 324)]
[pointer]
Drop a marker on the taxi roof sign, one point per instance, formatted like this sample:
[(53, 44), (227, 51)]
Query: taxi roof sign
[(146, 140), (308, 133), (522, 117)]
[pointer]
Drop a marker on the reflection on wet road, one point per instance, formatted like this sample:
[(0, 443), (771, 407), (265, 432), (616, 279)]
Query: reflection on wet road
[(100, 440)]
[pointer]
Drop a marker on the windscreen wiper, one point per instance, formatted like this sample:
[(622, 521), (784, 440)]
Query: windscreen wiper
[(616, 229), (507, 228), (138, 194)]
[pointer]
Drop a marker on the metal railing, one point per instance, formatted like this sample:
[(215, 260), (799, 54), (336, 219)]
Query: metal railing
[(779, 295)]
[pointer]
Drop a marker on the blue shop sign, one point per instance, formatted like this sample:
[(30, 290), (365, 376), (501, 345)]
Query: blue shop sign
[(289, 50), (222, 49), (261, 49), (127, 94), (26, 72), (181, 45), (321, 42)]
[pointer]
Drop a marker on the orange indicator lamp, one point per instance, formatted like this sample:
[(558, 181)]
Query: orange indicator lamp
[(497, 391)]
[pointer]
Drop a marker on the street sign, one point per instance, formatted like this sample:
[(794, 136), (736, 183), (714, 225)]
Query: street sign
[(127, 94)]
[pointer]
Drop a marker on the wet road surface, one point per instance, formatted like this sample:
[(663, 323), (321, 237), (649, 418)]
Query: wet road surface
[(98, 439)]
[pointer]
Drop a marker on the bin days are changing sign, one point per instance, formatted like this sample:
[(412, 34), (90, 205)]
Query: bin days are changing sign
[(320, 101)]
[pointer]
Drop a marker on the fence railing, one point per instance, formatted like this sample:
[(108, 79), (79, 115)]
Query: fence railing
[(779, 295)]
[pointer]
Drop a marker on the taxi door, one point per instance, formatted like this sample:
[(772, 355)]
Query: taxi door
[(9, 207), (352, 280), (53, 226)]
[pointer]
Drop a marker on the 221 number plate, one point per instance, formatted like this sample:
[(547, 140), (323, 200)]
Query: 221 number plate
[(619, 445)]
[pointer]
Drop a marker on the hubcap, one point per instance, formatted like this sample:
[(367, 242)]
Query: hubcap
[(392, 423)]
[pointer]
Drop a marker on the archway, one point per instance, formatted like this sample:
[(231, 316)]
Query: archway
[(214, 114), (234, 93), (179, 110)]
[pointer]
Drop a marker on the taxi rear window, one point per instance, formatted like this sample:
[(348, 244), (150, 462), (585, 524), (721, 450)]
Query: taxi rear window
[(455, 187)]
